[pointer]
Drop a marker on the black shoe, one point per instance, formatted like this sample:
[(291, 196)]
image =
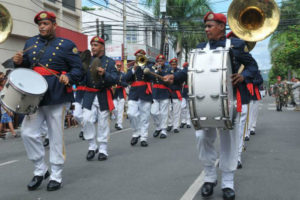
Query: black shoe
[(134, 141), (156, 133), (81, 134), (163, 136), (116, 125), (91, 154), (182, 125), (144, 143), (176, 131), (228, 194), (46, 142), (247, 138), (207, 189), (36, 181), (118, 128), (188, 126), (252, 133), (239, 165), (53, 185), (102, 157), (169, 128)]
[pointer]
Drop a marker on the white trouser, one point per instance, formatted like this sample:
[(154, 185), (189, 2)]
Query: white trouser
[(228, 154), (138, 114), (253, 116), (242, 124), (95, 134), (185, 112), (54, 116), (174, 114), (44, 129), (119, 110), (77, 113), (159, 112)]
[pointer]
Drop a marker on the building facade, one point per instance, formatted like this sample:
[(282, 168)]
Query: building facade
[(68, 14), (142, 30)]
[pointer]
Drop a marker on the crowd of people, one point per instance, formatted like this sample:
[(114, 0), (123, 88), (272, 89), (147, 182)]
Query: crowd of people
[(158, 90)]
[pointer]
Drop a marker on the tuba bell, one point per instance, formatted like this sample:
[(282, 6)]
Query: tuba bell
[(141, 60), (5, 23), (253, 20)]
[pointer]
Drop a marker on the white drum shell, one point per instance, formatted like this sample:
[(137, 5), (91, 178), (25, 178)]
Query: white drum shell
[(210, 89), (19, 101)]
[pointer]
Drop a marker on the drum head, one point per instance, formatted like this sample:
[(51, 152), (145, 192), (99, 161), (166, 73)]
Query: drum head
[(28, 81)]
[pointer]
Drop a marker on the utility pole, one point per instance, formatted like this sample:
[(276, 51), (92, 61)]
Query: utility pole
[(102, 30), (124, 36), (163, 10), (97, 27)]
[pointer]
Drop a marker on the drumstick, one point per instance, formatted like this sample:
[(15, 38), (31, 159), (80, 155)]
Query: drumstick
[(27, 49), (51, 72), (147, 71), (241, 69)]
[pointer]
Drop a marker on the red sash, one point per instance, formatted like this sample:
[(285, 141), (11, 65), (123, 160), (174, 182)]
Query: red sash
[(178, 94), (186, 86), (257, 92), (238, 101), (42, 71), (161, 86), (250, 88), (110, 102), (142, 83), (124, 91)]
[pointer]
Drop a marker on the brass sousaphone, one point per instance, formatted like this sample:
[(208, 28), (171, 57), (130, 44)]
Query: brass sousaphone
[(5, 23), (253, 20)]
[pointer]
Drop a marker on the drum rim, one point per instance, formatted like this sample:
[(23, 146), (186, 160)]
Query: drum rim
[(24, 92), (10, 109)]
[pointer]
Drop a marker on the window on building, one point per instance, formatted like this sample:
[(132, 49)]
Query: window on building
[(131, 34), (153, 38), (108, 31), (70, 4)]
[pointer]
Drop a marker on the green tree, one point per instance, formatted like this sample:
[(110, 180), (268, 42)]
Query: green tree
[(285, 42), (185, 22)]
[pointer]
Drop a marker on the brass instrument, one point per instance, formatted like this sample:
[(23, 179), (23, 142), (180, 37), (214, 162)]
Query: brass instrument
[(6, 23), (253, 20), (147, 71), (141, 60)]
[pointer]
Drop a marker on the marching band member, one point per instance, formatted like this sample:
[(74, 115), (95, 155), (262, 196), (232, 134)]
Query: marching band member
[(85, 57), (215, 27), (185, 108), (97, 100), (119, 98), (255, 98), (175, 112), (60, 56), (161, 94), (139, 100)]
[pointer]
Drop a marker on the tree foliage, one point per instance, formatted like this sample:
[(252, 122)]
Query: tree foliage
[(285, 42), (185, 21)]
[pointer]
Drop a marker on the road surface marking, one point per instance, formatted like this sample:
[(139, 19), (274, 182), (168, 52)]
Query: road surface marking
[(195, 187), (120, 131), (8, 162)]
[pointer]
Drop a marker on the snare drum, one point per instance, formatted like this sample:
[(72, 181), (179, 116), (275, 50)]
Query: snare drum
[(211, 99), (23, 91)]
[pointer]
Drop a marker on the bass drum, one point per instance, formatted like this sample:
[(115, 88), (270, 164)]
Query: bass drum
[(211, 99), (23, 91)]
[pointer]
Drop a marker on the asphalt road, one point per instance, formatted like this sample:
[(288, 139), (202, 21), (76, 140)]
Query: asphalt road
[(167, 169)]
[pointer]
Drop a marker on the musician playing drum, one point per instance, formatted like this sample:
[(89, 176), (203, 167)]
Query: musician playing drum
[(215, 26), (60, 56)]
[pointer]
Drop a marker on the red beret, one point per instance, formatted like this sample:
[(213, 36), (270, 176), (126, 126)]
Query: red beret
[(186, 64), (210, 16), (231, 34), (141, 51), (278, 77), (173, 60), (97, 39), (160, 56), (44, 15)]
